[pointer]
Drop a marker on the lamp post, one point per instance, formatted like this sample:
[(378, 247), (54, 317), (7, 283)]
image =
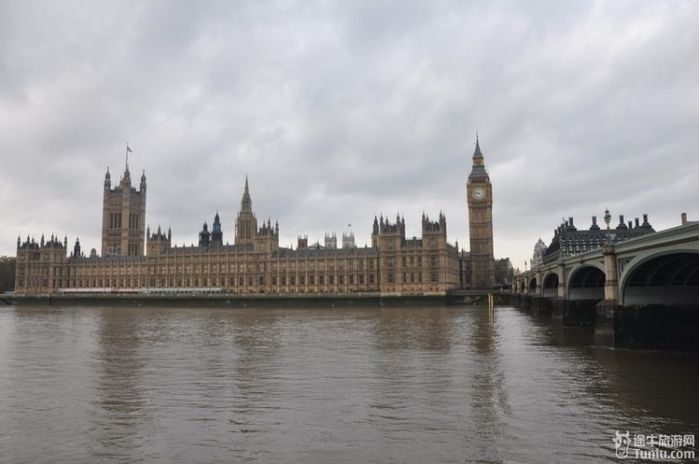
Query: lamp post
[(608, 220)]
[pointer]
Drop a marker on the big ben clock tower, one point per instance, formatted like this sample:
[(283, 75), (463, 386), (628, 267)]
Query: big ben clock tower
[(479, 193)]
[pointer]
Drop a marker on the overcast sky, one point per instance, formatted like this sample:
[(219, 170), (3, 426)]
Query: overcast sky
[(338, 111)]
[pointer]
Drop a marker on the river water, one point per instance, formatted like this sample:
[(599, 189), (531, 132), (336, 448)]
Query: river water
[(417, 385)]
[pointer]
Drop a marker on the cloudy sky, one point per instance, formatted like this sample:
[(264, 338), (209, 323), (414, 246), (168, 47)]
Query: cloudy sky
[(338, 111)]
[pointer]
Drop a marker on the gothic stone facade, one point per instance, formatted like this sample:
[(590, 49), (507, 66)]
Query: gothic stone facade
[(480, 219), (253, 264)]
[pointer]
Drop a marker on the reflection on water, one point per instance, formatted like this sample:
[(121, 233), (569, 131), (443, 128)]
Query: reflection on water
[(119, 414), (433, 384)]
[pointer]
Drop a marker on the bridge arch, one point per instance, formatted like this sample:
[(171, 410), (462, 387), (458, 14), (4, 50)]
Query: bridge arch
[(669, 277), (586, 282), (532, 284), (550, 284)]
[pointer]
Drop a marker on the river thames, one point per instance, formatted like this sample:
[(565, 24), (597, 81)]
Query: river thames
[(376, 385)]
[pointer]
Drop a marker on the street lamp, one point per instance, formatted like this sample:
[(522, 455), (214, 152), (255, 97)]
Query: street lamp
[(608, 220)]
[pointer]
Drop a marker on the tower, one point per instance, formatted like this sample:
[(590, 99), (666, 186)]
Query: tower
[(216, 233), (246, 222), (123, 216), (479, 194), (204, 236)]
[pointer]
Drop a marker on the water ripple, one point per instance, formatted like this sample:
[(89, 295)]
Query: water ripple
[(434, 384)]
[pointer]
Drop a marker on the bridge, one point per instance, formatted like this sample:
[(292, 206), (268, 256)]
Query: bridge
[(639, 293)]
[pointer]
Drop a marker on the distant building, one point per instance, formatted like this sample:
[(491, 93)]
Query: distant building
[(136, 259), (569, 240)]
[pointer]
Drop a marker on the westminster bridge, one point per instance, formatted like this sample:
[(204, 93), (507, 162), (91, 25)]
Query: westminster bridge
[(639, 293)]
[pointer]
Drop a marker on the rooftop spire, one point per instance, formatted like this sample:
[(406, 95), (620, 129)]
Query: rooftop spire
[(246, 203), (477, 152)]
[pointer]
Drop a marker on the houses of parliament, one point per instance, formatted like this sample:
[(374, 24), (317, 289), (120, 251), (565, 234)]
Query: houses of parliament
[(136, 259)]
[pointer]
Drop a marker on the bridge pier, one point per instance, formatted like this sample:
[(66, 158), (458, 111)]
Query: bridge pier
[(606, 314), (541, 306), (650, 327), (574, 313)]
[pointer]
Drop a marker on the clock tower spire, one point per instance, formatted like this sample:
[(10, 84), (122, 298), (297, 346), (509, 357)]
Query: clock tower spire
[(479, 195)]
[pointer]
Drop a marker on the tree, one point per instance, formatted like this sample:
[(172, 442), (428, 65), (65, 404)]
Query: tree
[(504, 272), (7, 273)]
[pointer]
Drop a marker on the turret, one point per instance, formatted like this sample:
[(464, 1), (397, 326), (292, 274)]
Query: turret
[(216, 233), (76, 248), (302, 242), (107, 181), (246, 222), (158, 242), (126, 179), (204, 236), (348, 240)]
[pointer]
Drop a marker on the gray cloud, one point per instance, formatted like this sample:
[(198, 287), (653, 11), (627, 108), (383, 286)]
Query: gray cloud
[(341, 110)]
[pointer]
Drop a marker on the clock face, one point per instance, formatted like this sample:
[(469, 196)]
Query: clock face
[(478, 193)]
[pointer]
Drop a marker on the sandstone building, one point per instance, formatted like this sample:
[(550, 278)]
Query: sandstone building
[(480, 221), (134, 260)]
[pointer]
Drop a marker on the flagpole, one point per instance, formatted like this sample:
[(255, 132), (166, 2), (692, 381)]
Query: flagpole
[(127, 156)]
